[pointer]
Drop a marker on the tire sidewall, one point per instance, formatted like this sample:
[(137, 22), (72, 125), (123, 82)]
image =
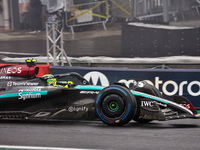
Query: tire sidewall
[(130, 105)]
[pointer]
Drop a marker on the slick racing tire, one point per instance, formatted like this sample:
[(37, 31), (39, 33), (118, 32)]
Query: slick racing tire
[(155, 92), (116, 105)]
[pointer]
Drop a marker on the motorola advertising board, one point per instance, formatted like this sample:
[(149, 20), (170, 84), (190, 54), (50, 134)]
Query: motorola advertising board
[(183, 82)]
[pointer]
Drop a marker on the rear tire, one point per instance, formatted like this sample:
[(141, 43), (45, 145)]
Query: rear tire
[(116, 105)]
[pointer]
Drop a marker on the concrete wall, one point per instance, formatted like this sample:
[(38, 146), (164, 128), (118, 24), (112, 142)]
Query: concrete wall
[(1, 17)]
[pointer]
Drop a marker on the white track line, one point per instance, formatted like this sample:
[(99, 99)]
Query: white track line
[(37, 148)]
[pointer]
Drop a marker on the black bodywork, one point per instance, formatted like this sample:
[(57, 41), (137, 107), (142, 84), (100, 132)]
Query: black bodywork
[(27, 97), (35, 99)]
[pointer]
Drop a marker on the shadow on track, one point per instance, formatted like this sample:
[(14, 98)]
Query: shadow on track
[(155, 125), (99, 124)]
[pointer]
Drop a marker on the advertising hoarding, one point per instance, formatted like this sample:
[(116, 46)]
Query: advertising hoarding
[(183, 82)]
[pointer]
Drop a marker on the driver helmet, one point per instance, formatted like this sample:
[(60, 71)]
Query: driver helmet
[(52, 81), (47, 76)]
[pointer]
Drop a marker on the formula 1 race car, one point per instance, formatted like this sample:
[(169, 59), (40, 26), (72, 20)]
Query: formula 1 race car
[(23, 96)]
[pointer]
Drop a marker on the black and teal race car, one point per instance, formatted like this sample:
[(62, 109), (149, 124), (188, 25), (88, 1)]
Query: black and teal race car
[(23, 96)]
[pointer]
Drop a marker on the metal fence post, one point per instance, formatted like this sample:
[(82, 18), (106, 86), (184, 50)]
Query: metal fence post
[(55, 48), (165, 11)]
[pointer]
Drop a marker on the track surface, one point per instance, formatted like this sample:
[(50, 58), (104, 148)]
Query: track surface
[(86, 47), (177, 134)]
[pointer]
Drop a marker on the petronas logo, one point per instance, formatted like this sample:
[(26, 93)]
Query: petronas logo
[(97, 78)]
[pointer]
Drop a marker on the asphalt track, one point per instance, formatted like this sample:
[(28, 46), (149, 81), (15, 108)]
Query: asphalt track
[(86, 47), (177, 135)]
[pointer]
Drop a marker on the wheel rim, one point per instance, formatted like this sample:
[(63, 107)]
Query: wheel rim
[(113, 106)]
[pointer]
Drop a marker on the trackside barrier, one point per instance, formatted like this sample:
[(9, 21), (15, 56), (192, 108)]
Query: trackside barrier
[(43, 69), (153, 9), (195, 6), (183, 82), (147, 40), (121, 8), (150, 9), (87, 14)]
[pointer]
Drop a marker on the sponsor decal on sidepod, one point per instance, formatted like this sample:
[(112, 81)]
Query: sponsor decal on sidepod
[(10, 83), (78, 109), (31, 93), (11, 70)]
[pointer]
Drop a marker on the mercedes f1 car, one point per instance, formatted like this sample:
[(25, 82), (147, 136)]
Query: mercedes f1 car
[(23, 96)]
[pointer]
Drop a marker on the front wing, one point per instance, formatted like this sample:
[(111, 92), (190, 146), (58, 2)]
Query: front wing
[(157, 108)]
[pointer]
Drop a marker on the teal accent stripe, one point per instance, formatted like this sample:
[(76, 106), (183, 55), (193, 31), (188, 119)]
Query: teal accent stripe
[(9, 95), (89, 87), (18, 94), (198, 111), (36, 92), (148, 96)]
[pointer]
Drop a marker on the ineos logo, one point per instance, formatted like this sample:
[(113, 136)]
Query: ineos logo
[(11, 70), (97, 78)]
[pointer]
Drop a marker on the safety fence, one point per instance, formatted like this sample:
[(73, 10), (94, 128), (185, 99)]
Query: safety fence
[(121, 8), (87, 14), (152, 9), (195, 7)]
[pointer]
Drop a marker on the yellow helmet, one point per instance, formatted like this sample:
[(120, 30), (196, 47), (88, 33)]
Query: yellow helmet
[(52, 81)]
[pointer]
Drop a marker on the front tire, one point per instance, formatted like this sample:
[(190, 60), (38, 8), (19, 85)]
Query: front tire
[(116, 105)]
